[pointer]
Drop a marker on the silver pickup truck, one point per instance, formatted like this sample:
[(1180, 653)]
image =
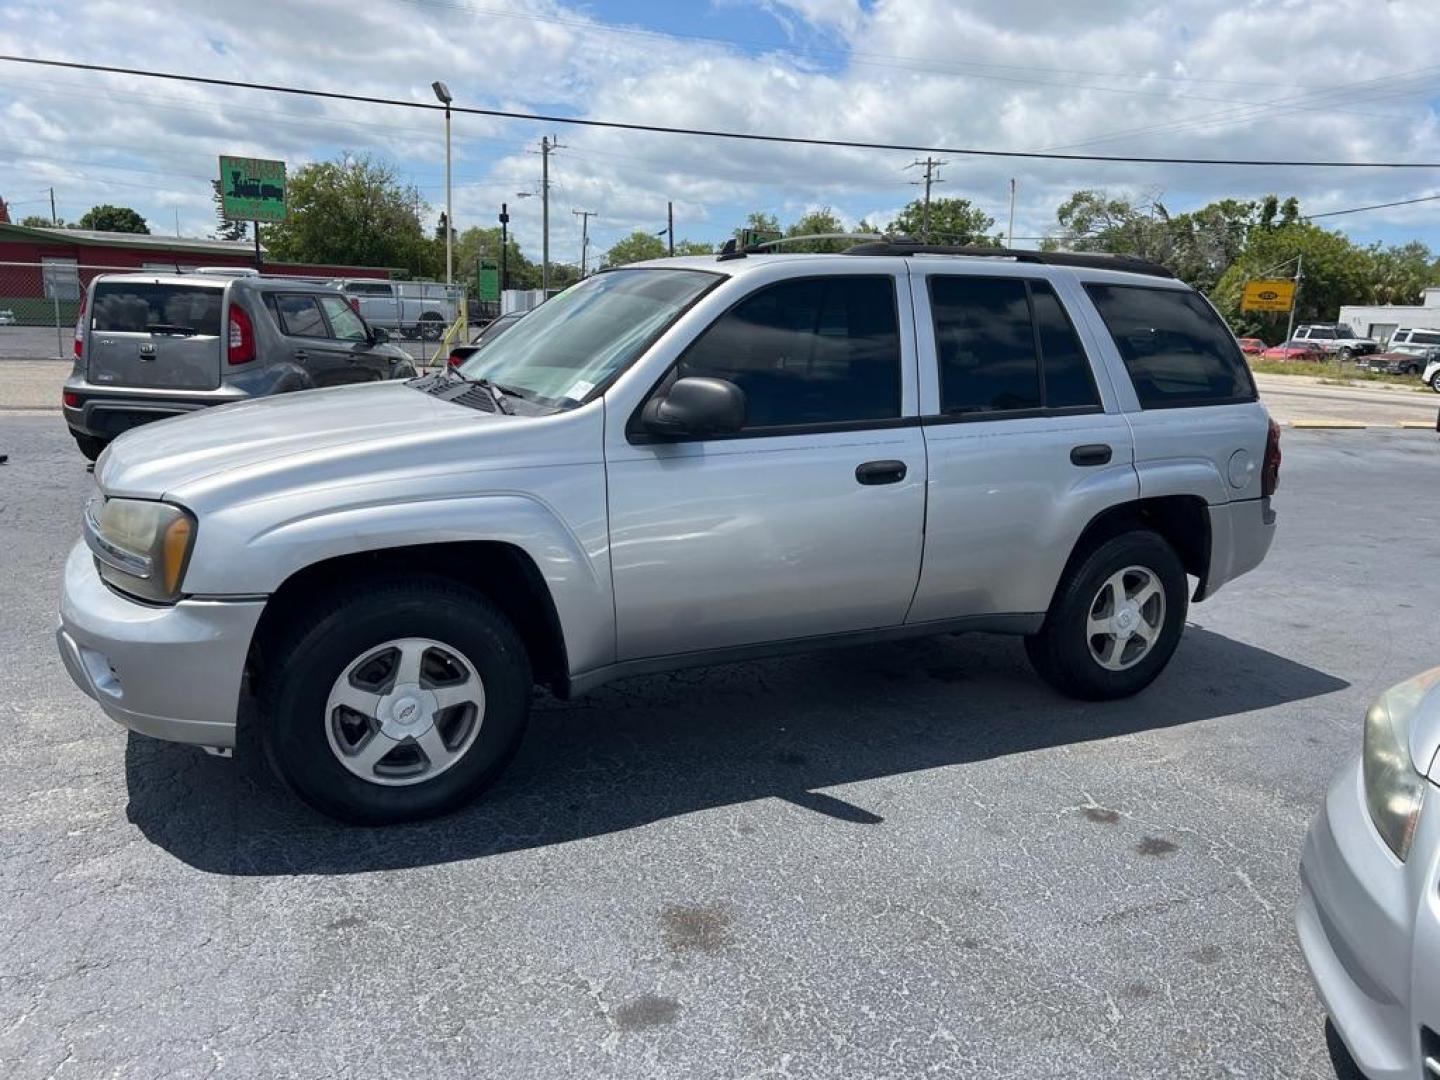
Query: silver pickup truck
[(413, 309), (675, 463)]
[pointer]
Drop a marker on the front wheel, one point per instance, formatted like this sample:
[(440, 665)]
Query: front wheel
[(399, 703), (1115, 620), (1435, 382), (1347, 354)]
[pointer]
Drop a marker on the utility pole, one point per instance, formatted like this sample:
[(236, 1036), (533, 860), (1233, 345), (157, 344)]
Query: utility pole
[(53, 219), (547, 147), (670, 226), (584, 216), (1010, 232), (931, 167), (1295, 300)]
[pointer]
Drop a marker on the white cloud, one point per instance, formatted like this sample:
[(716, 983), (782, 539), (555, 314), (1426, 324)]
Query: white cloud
[(1193, 78)]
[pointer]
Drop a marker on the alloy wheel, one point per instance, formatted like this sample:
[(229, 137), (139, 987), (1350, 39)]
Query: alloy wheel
[(1126, 618)]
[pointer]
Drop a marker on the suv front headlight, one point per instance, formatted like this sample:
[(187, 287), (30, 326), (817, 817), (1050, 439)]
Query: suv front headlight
[(1394, 788), (142, 546)]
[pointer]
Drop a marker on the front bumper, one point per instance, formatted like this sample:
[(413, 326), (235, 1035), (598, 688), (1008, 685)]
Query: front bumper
[(107, 411), (170, 672), (1369, 927)]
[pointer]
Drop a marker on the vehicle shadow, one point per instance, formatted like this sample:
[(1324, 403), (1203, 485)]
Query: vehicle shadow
[(652, 748)]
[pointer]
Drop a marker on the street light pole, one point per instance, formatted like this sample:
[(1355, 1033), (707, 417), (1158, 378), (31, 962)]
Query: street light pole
[(504, 246), (442, 92)]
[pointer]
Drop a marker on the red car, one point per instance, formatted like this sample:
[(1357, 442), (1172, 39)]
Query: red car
[(1251, 346), (1293, 350)]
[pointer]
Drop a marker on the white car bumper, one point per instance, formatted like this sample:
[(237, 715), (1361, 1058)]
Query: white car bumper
[(1369, 927), (170, 672)]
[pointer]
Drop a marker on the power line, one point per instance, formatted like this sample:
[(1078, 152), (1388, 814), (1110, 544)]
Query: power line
[(1374, 206), (713, 133)]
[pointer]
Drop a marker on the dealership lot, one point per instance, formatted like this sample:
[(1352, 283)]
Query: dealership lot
[(873, 862)]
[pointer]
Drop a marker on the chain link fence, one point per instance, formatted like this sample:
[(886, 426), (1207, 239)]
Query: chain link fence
[(40, 303)]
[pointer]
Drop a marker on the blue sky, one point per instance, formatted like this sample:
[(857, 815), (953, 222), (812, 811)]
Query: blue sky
[(1199, 78)]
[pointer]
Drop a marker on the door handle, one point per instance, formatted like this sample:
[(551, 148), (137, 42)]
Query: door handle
[(1091, 454), (301, 354), (880, 472)]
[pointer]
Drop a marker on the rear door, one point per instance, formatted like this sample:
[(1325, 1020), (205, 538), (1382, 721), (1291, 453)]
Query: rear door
[(155, 334), (1025, 444)]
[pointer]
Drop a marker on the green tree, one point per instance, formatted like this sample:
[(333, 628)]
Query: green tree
[(952, 221), (108, 218), (1095, 220), (353, 212), (1335, 272), (636, 247), (224, 228), (1399, 273), (476, 244), (39, 221), (823, 220), (693, 247)]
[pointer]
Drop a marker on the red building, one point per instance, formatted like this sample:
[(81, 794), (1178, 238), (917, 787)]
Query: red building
[(29, 256)]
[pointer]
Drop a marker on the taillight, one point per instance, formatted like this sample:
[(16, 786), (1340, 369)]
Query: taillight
[(71, 399), (455, 360), (355, 304), (1270, 473), (80, 327), (242, 336)]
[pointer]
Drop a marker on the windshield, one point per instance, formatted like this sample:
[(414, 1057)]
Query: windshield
[(587, 334)]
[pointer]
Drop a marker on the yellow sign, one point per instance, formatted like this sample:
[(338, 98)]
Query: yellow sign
[(1268, 296)]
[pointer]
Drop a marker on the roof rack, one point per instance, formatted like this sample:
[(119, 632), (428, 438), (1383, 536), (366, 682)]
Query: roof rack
[(1094, 260)]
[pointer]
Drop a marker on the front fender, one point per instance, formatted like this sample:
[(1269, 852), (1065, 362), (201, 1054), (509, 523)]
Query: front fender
[(235, 558)]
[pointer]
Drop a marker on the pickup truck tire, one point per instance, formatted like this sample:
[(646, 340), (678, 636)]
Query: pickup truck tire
[(1115, 619), (431, 328), (90, 445), (352, 739), (1435, 383)]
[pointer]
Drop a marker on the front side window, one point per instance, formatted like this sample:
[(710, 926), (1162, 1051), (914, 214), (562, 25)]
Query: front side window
[(577, 341), (300, 315), (344, 323), (1006, 345), (1175, 348), (809, 351)]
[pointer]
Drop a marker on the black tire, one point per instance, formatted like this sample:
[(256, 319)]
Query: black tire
[(1435, 383), (342, 627), (90, 445), (432, 327), (1347, 354), (1061, 652)]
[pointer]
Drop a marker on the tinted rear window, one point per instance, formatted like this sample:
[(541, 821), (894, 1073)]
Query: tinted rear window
[(1175, 347), (135, 307)]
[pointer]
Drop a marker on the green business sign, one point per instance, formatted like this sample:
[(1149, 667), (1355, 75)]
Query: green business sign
[(487, 283), (252, 189)]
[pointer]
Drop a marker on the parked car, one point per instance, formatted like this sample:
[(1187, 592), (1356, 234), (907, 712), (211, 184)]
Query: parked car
[(1417, 341), (7, 317), (1398, 363), (151, 346), (486, 334), (1251, 346), (1431, 375), (414, 309), (675, 463), (1336, 339), (1368, 918), (1294, 350)]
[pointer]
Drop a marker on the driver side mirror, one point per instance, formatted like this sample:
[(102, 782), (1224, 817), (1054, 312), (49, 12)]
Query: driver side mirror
[(379, 335), (695, 406)]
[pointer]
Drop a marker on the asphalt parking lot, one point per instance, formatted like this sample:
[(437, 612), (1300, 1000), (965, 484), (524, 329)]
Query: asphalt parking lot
[(886, 861)]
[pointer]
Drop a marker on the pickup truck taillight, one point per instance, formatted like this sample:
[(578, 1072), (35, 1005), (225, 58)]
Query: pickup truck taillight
[(80, 327), (241, 345), (1270, 472), (455, 360), (355, 304)]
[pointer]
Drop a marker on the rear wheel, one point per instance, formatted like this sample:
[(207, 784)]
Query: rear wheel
[(432, 326), (1115, 620), (1435, 382), (90, 445), (401, 703)]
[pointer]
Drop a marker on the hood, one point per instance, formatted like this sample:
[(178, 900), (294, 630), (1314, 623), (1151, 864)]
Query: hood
[(151, 461)]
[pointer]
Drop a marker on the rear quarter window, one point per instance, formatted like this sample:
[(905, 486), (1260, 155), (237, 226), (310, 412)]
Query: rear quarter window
[(136, 307), (1175, 348)]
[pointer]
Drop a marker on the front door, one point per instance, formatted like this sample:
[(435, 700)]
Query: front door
[(810, 520), (349, 332)]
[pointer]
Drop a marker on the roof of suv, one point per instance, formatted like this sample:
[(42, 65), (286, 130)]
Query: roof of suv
[(219, 281), (1116, 266)]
